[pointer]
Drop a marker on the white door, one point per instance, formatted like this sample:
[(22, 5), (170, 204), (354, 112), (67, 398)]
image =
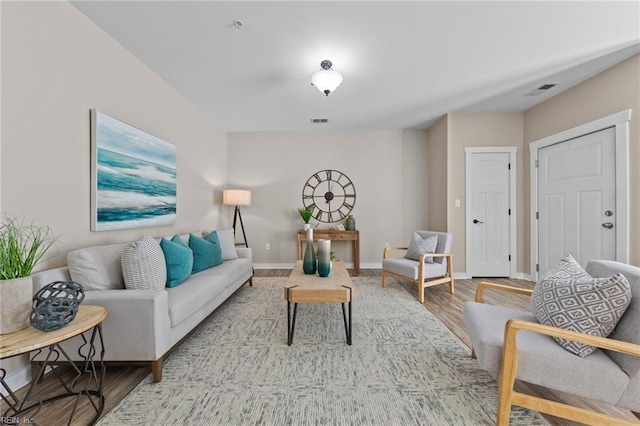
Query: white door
[(488, 219), (577, 199)]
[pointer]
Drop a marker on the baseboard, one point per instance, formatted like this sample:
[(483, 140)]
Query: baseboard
[(522, 276), (461, 276), (17, 380), (349, 265)]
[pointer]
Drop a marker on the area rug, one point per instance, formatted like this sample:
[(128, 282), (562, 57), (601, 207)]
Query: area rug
[(404, 367)]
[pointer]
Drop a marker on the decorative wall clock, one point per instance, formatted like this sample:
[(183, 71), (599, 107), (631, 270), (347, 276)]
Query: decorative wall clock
[(330, 194)]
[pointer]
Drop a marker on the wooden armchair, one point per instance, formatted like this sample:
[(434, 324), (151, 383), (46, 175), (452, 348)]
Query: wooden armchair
[(611, 374), (420, 272)]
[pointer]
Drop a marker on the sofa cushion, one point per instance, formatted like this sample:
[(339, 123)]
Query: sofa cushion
[(420, 245), (143, 265), (178, 259), (227, 242), (591, 306), (97, 268), (200, 288), (206, 253)]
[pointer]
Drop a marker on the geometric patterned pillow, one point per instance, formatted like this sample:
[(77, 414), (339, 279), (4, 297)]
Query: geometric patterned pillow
[(590, 306), (421, 245), (567, 268)]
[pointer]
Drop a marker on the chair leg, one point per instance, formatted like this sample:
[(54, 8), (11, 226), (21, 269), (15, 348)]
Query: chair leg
[(473, 354), (421, 291), (384, 278), (451, 286)]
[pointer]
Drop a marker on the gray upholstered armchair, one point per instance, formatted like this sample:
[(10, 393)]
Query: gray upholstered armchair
[(511, 344), (422, 272)]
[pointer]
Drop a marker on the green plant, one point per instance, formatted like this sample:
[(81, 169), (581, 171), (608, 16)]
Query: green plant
[(22, 246), (305, 213)]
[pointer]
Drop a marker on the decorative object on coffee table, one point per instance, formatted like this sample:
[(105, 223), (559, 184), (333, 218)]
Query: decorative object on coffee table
[(330, 194), (22, 246), (309, 263), (237, 198), (56, 305), (324, 257)]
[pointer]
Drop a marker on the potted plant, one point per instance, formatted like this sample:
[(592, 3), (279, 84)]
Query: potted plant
[(305, 214), (22, 247)]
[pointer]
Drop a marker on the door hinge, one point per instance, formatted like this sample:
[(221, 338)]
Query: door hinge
[(509, 258), (537, 215), (509, 166), (509, 212), (537, 267), (536, 163)]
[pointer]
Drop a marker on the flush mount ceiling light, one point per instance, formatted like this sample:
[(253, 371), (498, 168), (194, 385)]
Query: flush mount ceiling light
[(326, 80)]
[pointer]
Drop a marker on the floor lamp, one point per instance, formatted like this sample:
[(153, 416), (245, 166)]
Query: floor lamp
[(237, 198)]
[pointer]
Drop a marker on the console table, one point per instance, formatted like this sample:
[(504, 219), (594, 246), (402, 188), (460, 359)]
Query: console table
[(89, 376), (334, 235)]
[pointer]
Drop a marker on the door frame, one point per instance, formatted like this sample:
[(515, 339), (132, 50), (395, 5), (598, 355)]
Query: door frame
[(620, 121), (511, 150)]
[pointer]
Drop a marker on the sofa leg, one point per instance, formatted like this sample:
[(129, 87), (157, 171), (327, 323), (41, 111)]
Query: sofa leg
[(251, 282), (384, 278), (636, 414), (473, 354), (156, 370)]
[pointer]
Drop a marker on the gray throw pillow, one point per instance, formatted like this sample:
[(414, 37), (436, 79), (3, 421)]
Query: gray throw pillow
[(567, 268), (143, 265), (590, 306), (227, 244), (421, 245)]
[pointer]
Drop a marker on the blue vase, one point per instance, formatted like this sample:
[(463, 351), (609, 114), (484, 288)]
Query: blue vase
[(309, 259), (324, 257)]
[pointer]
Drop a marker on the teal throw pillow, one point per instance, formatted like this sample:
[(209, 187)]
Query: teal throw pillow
[(179, 260), (206, 254)]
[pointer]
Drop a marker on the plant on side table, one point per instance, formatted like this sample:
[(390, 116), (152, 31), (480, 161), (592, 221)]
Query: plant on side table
[(305, 214), (22, 247)]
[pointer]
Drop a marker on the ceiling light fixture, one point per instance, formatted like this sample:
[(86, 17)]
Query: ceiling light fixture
[(326, 80)]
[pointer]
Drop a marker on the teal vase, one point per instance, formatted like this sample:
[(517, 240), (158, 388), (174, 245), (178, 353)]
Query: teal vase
[(309, 259), (324, 257), (351, 223)]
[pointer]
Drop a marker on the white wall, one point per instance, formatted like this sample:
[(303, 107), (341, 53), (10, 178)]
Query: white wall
[(56, 66), (387, 168)]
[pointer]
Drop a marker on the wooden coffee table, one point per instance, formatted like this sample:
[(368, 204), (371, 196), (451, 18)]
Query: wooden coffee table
[(303, 288)]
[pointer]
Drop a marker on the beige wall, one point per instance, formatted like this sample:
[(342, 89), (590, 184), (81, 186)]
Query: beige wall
[(437, 180), (385, 166), (614, 90), (56, 66), (480, 130)]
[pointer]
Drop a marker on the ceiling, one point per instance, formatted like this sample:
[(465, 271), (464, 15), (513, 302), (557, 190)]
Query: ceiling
[(405, 64)]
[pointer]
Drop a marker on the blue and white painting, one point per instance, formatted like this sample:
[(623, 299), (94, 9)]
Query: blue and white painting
[(134, 177)]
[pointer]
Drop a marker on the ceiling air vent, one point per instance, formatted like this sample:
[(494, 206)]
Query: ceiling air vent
[(319, 120), (540, 90)]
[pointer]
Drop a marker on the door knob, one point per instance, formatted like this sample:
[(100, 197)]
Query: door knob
[(607, 225), (477, 221)]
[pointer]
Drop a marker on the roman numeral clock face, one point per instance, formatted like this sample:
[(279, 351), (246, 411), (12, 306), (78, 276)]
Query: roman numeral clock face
[(330, 194)]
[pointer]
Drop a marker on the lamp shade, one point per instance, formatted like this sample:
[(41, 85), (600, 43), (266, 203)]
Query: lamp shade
[(326, 80), (236, 197)]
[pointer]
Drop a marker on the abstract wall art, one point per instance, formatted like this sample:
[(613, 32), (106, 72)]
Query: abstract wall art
[(133, 176)]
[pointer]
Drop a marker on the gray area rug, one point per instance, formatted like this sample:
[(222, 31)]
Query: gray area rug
[(404, 367)]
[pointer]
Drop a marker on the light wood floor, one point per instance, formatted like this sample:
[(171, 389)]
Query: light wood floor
[(119, 381)]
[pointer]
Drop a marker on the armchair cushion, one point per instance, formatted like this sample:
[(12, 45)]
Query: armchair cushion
[(420, 245), (592, 306), (541, 360), (409, 268)]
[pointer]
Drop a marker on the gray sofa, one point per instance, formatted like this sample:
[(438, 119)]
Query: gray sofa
[(145, 325)]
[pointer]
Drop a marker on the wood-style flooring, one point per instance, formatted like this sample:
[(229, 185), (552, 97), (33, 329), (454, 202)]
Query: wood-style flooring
[(120, 380)]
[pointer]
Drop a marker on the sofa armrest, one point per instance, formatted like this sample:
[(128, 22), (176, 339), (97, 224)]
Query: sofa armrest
[(484, 284), (245, 252), (136, 325)]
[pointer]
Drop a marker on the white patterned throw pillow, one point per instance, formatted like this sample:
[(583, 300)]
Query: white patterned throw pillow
[(421, 245), (143, 265), (567, 268), (590, 306)]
